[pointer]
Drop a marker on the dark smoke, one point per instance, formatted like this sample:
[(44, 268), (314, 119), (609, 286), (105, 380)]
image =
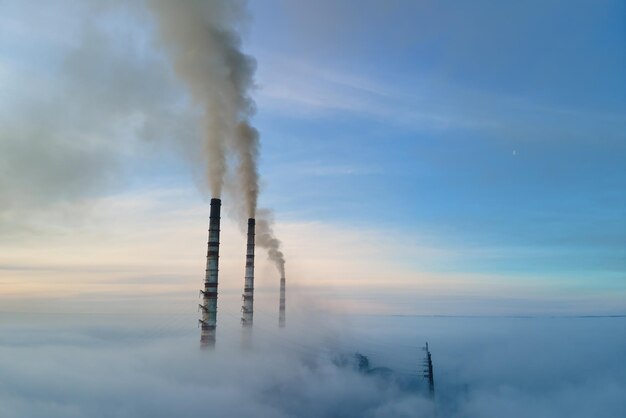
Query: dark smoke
[(247, 147), (265, 238), (203, 41)]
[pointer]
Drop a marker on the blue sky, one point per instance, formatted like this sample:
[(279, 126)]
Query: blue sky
[(493, 125), (490, 133)]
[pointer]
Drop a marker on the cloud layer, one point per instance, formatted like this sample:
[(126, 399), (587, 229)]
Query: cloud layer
[(93, 366)]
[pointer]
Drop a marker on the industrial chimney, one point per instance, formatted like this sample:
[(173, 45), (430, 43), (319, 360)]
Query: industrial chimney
[(209, 294), (248, 290), (428, 372), (281, 309)]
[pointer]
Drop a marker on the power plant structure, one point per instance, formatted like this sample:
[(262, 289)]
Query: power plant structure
[(208, 307), (428, 372), (208, 323), (248, 289), (281, 306)]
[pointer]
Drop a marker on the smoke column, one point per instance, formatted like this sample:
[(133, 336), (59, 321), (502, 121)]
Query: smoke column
[(202, 39), (265, 238), (247, 149)]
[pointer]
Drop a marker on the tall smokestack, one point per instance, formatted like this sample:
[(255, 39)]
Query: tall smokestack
[(248, 290), (281, 309), (209, 294), (203, 41)]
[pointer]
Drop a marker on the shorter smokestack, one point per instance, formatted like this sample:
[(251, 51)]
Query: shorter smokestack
[(208, 307), (248, 290), (281, 309), (428, 372)]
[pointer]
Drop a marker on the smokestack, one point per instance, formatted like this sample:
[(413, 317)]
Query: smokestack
[(248, 290), (428, 372), (209, 294), (281, 309)]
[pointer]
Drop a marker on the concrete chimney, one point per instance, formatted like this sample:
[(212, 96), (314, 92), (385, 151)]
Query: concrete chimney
[(428, 372), (248, 290), (209, 294), (281, 309)]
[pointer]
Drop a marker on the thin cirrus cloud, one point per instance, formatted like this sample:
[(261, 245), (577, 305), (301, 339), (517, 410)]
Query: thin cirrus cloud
[(298, 88)]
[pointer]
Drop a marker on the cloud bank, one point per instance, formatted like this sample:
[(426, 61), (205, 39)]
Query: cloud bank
[(484, 367), (83, 109)]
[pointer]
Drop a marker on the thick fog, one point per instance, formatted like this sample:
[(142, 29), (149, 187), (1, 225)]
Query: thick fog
[(109, 366)]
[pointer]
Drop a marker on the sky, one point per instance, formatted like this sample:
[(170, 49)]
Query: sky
[(430, 158)]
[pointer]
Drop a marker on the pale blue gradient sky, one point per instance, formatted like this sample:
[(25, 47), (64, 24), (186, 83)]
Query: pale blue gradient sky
[(489, 124), (480, 146)]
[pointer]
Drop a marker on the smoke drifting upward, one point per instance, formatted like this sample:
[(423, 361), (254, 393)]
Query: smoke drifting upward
[(247, 147), (202, 38), (265, 238), (203, 41)]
